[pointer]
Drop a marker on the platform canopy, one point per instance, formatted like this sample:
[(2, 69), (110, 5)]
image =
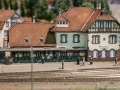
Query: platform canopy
[(40, 49)]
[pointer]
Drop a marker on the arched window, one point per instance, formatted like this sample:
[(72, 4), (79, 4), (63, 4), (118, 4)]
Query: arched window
[(112, 53), (103, 53), (95, 54)]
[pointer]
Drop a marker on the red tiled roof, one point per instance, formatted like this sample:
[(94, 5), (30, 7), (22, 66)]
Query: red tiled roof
[(77, 16), (62, 18), (33, 31), (4, 16), (97, 16), (91, 20), (27, 19), (105, 17), (80, 18)]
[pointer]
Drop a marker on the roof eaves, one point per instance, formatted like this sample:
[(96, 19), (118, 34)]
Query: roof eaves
[(12, 26)]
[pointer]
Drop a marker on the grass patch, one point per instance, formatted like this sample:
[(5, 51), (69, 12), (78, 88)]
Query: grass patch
[(101, 88)]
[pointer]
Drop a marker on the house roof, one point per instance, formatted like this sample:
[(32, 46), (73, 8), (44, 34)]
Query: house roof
[(27, 19), (80, 18), (77, 16), (91, 20), (105, 17), (4, 16), (96, 16), (32, 31)]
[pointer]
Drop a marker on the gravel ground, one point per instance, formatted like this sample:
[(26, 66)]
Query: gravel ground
[(58, 86)]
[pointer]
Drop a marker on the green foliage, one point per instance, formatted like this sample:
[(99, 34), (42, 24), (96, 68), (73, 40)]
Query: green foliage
[(6, 4), (15, 6), (23, 9), (12, 3), (87, 4), (37, 8), (107, 6), (63, 4), (101, 88), (78, 2), (0, 4), (95, 3), (102, 4)]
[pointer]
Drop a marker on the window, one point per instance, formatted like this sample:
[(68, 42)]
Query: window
[(6, 33), (26, 40), (7, 24), (63, 22), (108, 24), (63, 38), (101, 24), (12, 23), (112, 39), (112, 53), (95, 39), (95, 54), (76, 38), (60, 22), (103, 13), (103, 53), (57, 22), (41, 39)]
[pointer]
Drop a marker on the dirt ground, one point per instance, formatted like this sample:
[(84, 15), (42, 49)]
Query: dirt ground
[(57, 85)]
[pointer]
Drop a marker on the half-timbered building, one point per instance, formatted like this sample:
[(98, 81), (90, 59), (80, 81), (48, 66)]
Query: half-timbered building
[(103, 36), (78, 31)]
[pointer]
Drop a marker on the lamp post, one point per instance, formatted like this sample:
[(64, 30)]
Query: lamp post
[(2, 66), (32, 80)]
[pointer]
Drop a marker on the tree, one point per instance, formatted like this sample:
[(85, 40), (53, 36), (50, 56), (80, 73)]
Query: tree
[(0, 4), (15, 6), (87, 4), (95, 3), (11, 4), (37, 8), (88, 0), (63, 4), (6, 4), (103, 4), (78, 2), (23, 9), (107, 6)]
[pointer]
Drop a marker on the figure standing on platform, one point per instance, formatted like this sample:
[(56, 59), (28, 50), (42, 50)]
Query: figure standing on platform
[(116, 62), (83, 61), (43, 59), (78, 60), (91, 60)]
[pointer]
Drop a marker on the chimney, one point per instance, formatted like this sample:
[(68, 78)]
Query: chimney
[(3, 7), (33, 19), (59, 13), (9, 7)]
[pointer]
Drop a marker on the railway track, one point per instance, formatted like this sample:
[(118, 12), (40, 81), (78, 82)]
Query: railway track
[(97, 75)]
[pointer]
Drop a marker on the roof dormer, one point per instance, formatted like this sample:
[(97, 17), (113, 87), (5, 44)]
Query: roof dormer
[(61, 23), (41, 39), (26, 39), (103, 13)]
